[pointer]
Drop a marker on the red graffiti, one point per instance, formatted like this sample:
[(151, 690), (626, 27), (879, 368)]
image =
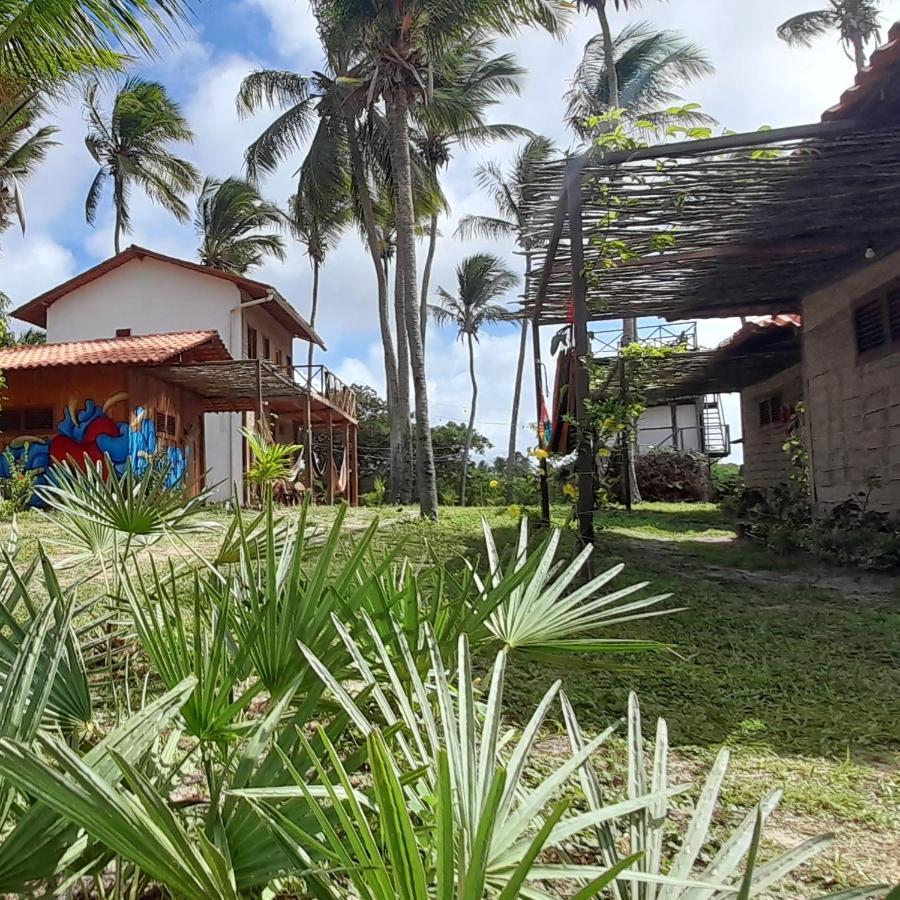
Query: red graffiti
[(63, 447)]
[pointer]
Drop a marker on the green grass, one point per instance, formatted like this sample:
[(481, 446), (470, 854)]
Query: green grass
[(802, 683)]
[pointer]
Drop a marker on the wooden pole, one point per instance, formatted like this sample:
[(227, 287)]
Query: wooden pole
[(330, 467), (559, 220), (354, 475), (584, 464), (626, 438), (309, 449), (259, 396)]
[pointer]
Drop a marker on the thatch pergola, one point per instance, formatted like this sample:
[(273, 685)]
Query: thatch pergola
[(751, 223)]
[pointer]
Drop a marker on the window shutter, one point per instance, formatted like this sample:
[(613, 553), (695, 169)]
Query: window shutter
[(765, 412), (38, 419), (893, 303), (870, 326), (10, 420)]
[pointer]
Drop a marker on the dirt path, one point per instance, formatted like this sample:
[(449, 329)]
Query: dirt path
[(852, 584)]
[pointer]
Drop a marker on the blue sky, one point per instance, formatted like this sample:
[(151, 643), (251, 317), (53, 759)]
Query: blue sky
[(759, 81)]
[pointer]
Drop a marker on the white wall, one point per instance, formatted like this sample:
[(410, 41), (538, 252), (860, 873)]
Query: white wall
[(655, 427), (152, 297)]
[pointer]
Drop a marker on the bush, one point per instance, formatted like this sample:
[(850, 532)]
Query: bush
[(727, 480), (673, 476), (850, 534), (17, 490)]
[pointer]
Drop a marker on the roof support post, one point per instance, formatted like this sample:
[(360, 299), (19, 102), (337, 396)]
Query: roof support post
[(584, 464), (559, 221), (309, 450), (330, 467)]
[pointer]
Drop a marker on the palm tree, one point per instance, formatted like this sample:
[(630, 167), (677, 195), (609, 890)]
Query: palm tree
[(317, 225), (397, 46), (338, 146), (469, 79), (22, 149), (510, 193), (857, 22), (236, 226), (482, 279), (132, 150), (651, 67), (46, 42)]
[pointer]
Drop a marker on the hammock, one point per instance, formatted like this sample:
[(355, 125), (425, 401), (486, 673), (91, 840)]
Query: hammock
[(340, 480), (563, 400)]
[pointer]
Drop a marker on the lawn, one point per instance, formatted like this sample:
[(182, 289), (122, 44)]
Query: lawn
[(795, 669)]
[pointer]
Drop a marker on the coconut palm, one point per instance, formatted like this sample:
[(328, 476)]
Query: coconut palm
[(132, 149), (23, 148), (47, 41), (318, 106), (237, 227), (510, 192), (482, 279), (857, 22), (469, 79), (651, 67), (397, 46), (317, 222)]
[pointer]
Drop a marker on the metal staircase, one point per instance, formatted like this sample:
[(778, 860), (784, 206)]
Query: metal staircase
[(716, 433)]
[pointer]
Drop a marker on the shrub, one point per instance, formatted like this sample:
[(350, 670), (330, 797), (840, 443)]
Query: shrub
[(727, 480), (673, 476), (17, 490), (850, 534)]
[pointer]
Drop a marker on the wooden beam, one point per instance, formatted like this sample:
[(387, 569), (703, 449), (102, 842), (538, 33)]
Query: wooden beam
[(584, 464), (549, 259)]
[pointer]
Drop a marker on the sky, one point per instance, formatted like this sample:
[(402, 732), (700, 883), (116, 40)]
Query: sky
[(759, 81)]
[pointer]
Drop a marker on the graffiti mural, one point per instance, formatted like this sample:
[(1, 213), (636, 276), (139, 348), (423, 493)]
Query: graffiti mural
[(90, 433)]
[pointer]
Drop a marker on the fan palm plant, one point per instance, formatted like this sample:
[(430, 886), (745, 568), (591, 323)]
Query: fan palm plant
[(856, 21), (510, 192), (469, 79), (232, 220), (397, 46), (133, 149), (23, 147), (651, 66), (482, 279)]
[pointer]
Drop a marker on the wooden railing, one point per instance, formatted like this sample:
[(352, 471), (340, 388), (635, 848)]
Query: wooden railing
[(323, 382)]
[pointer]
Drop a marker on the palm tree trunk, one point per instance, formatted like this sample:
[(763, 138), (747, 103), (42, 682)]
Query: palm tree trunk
[(629, 326), (397, 108), (118, 200), (426, 274), (859, 54), (312, 314), (517, 399), (471, 428), (609, 55), (384, 319), (403, 393)]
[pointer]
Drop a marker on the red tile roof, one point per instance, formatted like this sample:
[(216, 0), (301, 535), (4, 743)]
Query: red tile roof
[(143, 349), (35, 311), (754, 327), (872, 82)]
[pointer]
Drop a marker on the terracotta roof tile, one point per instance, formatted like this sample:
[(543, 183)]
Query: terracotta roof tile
[(871, 82), (143, 349), (756, 326)]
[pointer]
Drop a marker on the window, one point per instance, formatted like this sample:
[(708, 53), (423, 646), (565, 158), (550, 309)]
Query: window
[(876, 322), (251, 343), (267, 348), (869, 323), (770, 410), (123, 332), (35, 420), (165, 424), (279, 358)]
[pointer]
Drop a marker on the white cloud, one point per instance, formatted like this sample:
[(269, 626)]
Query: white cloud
[(33, 264), (293, 28), (759, 81)]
